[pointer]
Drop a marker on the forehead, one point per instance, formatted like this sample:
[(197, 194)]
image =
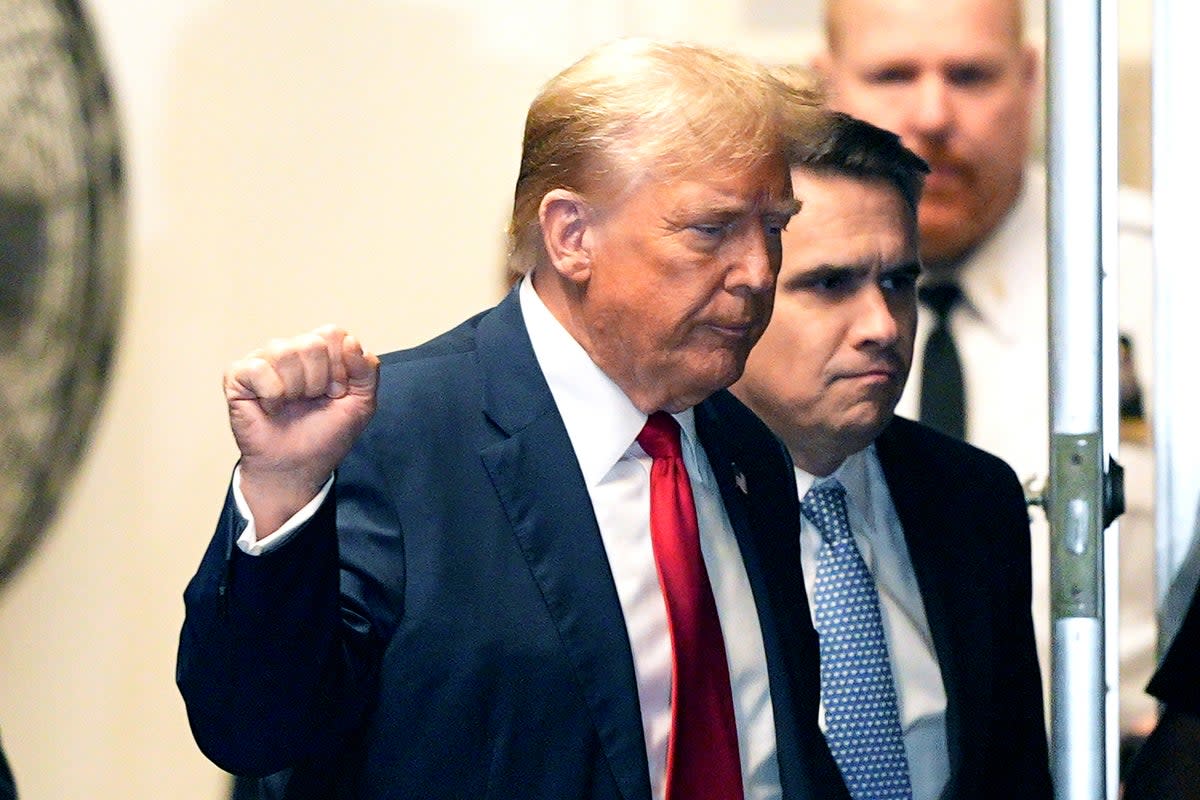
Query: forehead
[(848, 220), (764, 184), (873, 30)]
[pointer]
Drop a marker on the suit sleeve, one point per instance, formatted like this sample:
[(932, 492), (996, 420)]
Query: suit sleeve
[(278, 654)]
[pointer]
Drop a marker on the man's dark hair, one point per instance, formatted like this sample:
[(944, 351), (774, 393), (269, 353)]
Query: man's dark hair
[(845, 145)]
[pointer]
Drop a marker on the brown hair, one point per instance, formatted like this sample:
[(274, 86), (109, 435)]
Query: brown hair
[(638, 108)]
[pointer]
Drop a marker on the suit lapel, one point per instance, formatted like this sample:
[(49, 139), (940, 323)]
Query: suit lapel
[(929, 531), (761, 502), (539, 483)]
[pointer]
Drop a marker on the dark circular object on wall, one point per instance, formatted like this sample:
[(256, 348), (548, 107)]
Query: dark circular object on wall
[(61, 258)]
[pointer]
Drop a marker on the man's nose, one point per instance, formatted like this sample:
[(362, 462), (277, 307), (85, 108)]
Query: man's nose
[(757, 262), (875, 321), (931, 112)]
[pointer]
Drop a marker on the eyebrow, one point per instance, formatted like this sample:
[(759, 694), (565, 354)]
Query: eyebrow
[(782, 208), (785, 208), (912, 267), (827, 269)]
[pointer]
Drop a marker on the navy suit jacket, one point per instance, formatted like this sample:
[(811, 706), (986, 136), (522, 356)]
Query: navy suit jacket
[(967, 530), (447, 625)]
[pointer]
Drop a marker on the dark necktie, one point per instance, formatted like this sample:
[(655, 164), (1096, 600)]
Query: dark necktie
[(943, 398), (702, 751), (862, 719)]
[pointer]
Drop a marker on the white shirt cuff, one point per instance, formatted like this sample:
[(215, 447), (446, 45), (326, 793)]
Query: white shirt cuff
[(248, 542)]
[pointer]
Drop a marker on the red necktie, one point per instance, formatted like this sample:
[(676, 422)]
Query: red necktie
[(702, 752)]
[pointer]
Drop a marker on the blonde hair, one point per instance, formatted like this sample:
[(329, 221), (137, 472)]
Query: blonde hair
[(804, 110), (637, 108)]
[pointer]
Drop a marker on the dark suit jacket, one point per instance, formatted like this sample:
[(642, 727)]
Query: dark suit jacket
[(460, 636), (967, 529)]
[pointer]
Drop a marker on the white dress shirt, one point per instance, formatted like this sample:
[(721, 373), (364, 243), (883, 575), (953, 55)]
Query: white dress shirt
[(603, 425), (879, 536), (1001, 333)]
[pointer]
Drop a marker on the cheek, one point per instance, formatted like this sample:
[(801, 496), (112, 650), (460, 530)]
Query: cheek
[(998, 125), (785, 358)]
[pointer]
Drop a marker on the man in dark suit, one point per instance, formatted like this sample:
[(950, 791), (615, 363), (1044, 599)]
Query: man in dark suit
[(938, 527), (470, 606)]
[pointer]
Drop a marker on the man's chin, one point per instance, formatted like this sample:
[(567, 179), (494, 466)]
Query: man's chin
[(867, 424), (943, 242), (703, 379)]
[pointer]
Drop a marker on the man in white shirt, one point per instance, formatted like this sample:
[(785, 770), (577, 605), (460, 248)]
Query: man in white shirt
[(958, 81), (940, 525), (471, 605)]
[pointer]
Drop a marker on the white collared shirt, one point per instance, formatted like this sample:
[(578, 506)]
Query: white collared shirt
[(1003, 341), (1000, 328), (603, 425), (879, 536)]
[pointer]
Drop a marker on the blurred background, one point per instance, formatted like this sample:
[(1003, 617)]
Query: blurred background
[(282, 163)]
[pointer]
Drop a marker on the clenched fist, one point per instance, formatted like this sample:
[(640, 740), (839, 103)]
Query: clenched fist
[(295, 408)]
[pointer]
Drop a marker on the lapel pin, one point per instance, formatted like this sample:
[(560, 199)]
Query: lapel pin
[(740, 479)]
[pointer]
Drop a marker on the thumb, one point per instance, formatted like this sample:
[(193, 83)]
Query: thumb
[(362, 367)]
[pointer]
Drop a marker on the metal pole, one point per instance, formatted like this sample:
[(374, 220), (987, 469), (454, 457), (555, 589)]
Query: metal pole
[(1110, 394), (1074, 502)]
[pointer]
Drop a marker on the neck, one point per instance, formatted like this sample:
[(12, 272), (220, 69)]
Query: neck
[(821, 453), (816, 461), (564, 300), (940, 271)]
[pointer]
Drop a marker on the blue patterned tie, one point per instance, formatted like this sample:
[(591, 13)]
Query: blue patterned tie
[(862, 723)]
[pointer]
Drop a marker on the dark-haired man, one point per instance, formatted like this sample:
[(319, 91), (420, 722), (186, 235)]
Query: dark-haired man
[(927, 534)]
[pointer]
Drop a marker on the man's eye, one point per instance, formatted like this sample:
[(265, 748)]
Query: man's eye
[(834, 282), (711, 230), (898, 282), (894, 75), (968, 77)]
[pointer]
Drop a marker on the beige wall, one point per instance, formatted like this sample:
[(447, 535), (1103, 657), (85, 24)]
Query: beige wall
[(291, 162)]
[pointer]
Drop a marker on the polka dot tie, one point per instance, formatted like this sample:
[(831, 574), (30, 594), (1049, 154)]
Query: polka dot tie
[(862, 722)]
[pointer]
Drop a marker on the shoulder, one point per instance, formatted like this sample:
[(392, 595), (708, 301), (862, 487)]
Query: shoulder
[(940, 486), (739, 443), (458, 340), (433, 385), (726, 418), (928, 449), (452, 356)]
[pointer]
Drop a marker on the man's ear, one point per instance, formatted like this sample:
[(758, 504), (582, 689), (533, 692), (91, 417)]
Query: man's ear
[(565, 218), (1031, 71)]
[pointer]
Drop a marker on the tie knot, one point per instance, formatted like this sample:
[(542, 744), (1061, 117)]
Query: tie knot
[(660, 436), (825, 506), (941, 298)]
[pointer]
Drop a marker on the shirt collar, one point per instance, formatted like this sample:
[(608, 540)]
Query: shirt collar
[(601, 421), (852, 474)]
